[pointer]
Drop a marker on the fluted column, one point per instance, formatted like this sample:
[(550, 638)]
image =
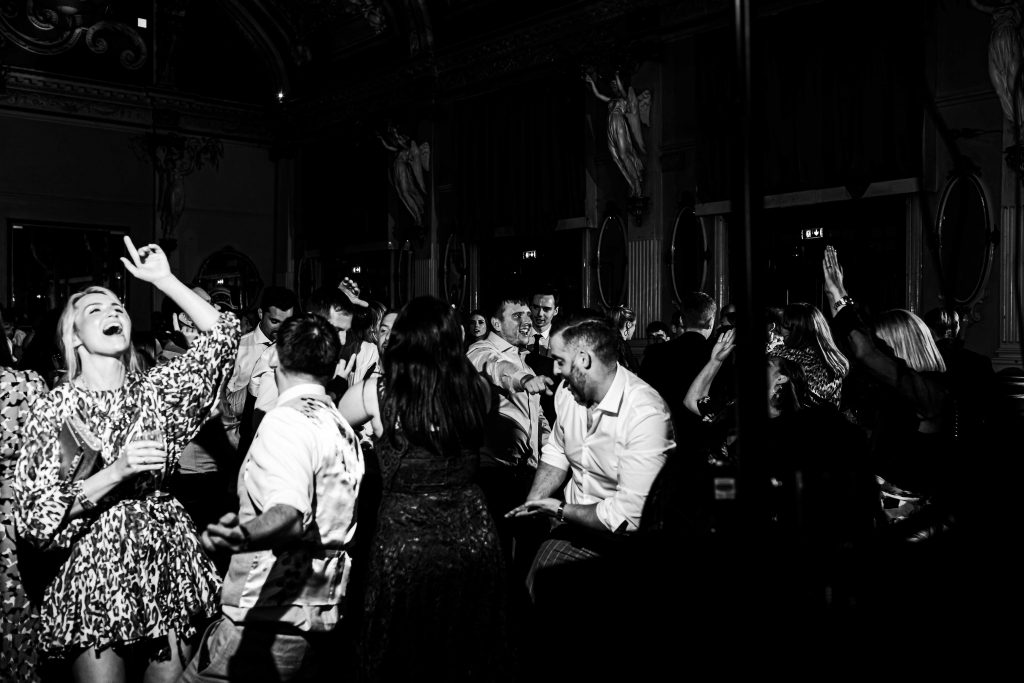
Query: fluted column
[(645, 281), (1008, 354)]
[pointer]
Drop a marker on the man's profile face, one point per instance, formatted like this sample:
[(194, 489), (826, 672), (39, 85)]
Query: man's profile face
[(567, 366), (542, 310), (271, 319), (514, 324)]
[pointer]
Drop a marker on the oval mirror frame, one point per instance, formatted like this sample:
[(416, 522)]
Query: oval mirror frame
[(612, 222), (984, 259), (237, 271), (675, 256)]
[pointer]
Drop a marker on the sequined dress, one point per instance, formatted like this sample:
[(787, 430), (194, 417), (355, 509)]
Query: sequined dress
[(435, 599), (19, 619), (136, 569)]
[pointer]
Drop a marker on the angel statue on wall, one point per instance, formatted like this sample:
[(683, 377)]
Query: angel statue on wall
[(408, 165), (626, 111), (1005, 49)]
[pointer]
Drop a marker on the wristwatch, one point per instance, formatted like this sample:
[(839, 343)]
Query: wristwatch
[(560, 514)]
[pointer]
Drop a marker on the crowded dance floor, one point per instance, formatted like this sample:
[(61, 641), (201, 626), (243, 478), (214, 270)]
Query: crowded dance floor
[(470, 340)]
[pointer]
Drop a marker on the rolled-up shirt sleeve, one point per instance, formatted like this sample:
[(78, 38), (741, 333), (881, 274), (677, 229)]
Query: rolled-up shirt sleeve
[(553, 449), (502, 372), (648, 440), (278, 470)]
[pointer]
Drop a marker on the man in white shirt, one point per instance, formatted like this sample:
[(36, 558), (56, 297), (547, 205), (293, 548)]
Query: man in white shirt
[(276, 305), (499, 357), (611, 438), (517, 430), (298, 488)]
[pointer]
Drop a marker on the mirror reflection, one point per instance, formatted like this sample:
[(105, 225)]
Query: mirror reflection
[(689, 253), (965, 238), (612, 261)]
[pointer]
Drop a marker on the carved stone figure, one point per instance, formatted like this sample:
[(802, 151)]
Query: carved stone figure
[(409, 162), (626, 111), (1005, 48)]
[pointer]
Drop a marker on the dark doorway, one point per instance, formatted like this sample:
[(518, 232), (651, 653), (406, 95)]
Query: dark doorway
[(521, 263), (870, 236)]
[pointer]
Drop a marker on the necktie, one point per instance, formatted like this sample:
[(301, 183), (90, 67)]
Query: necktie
[(536, 343)]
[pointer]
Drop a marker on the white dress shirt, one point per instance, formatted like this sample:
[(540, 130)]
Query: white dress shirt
[(250, 347), (502, 364), (614, 450), (307, 457)]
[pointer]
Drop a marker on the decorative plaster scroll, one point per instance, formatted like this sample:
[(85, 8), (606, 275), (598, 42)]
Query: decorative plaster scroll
[(120, 107), (43, 31)]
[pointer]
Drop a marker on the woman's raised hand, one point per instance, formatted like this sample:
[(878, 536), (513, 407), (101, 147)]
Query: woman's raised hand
[(833, 275), (148, 263), (724, 345)]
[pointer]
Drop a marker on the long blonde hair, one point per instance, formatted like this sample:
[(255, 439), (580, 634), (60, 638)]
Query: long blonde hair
[(910, 340), (66, 334)]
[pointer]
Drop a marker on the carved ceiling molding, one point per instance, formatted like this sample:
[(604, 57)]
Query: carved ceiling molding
[(29, 94), (282, 32), (544, 43)]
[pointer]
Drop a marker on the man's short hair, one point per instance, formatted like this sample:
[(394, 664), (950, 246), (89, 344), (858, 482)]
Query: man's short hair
[(515, 298), (545, 290), (323, 300), (698, 310), (594, 333), (656, 326), (280, 298), (308, 344), (942, 322)]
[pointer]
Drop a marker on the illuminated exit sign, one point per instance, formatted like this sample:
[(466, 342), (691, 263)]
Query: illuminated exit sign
[(529, 254)]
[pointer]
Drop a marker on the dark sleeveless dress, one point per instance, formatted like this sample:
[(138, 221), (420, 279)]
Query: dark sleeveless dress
[(435, 599)]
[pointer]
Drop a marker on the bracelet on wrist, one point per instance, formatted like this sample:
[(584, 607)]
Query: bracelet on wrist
[(560, 514), (84, 500), (845, 300)]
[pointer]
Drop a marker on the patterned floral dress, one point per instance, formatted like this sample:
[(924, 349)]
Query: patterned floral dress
[(136, 569), (19, 620)]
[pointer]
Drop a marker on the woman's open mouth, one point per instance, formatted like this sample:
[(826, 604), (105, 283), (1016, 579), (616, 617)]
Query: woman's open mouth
[(113, 328)]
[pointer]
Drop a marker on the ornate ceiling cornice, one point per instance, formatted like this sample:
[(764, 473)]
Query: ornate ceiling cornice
[(554, 41), (25, 92)]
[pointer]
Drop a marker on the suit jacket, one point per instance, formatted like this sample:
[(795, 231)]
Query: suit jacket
[(671, 368)]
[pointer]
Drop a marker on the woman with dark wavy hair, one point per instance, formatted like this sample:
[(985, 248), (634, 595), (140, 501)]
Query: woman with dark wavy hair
[(435, 594), (807, 340)]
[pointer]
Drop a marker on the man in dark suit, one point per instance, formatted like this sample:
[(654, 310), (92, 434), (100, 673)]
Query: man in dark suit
[(543, 310), (970, 374), (671, 367)]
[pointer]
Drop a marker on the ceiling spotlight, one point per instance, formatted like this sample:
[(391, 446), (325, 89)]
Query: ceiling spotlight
[(280, 95)]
